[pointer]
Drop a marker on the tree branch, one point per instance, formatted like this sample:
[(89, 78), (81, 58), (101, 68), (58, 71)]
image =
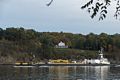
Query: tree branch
[(49, 3)]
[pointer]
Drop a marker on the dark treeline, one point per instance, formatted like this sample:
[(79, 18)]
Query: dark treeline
[(23, 44)]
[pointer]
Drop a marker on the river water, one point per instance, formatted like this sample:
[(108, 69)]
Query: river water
[(60, 73)]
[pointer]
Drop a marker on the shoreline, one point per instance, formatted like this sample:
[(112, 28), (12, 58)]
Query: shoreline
[(60, 65), (77, 64)]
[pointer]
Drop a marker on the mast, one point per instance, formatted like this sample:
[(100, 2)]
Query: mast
[(101, 53)]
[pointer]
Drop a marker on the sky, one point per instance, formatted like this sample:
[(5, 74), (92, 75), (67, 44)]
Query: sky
[(61, 15)]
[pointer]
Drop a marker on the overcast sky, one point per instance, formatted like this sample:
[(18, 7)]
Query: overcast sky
[(62, 15)]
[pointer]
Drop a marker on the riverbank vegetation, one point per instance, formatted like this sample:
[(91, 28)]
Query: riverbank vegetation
[(19, 44)]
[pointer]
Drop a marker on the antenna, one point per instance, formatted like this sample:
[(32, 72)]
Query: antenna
[(102, 49)]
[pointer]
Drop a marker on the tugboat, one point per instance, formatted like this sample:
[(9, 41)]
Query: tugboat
[(100, 60), (103, 60)]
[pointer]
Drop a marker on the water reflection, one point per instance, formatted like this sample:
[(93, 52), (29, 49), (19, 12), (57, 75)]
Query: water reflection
[(60, 73), (86, 72), (102, 72)]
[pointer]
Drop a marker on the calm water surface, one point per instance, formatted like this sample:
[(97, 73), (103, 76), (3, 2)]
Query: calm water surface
[(60, 73)]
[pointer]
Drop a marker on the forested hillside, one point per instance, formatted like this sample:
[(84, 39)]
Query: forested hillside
[(19, 44)]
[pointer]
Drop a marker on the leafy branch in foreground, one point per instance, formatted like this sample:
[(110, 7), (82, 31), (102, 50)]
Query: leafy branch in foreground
[(101, 6), (49, 3), (94, 7), (117, 13)]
